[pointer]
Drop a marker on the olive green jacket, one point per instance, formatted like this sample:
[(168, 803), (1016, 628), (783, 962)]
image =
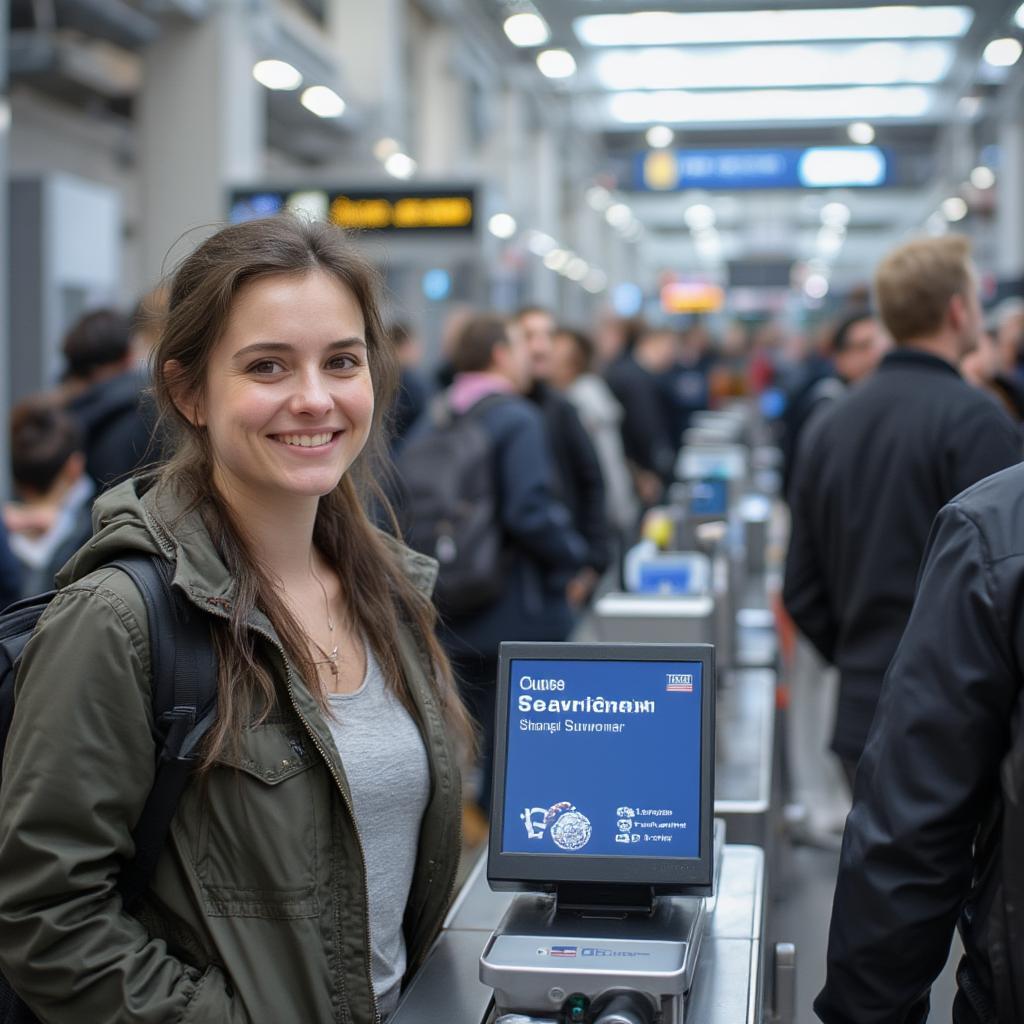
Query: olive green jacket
[(257, 911)]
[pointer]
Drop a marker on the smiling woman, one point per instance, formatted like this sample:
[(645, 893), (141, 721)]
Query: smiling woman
[(329, 801)]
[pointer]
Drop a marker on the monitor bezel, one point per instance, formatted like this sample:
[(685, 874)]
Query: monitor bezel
[(545, 872)]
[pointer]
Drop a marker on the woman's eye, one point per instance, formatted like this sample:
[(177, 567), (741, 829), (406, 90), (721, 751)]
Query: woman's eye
[(344, 362), (265, 366)]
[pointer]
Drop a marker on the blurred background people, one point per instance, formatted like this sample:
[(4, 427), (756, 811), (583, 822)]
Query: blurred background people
[(411, 398), (51, 519)]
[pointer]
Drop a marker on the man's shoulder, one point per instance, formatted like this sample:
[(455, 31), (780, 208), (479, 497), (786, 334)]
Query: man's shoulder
[(996, 504)]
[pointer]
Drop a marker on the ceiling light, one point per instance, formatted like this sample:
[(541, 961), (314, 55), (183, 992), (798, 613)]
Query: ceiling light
[(909, 101), (557, 260), (322, 101), (861, 132), (660, 136), (502, 225), (816, 286), (596, 281), (829, 241), (399, 165), (699, 217), (954, 209), (983, 177), (598, 198), (835, 215), (277, 74), (761, 67), (664, 28), (1019, 17), (619, 215), (540, 244), (556, 63), (527, 29), (577, 269), (1002, 53), (383, 148)]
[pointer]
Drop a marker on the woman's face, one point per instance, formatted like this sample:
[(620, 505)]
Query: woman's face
[(288, 399)]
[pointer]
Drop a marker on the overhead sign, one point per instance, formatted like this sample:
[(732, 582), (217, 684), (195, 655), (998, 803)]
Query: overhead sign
[(691, 297), (725, 169), (418, 211)]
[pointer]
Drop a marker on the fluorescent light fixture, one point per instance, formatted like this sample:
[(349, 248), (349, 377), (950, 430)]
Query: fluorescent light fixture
[(323, 102), (676, 107), (502, 225), (596, 281), (527, 29), (983, 177), (840, 166), (660, 136), (816, 286), (619, 215), (577, 269), (557, 260), (699, 217), (1019, 17), (763, 67), (556, 63), (861, 132), (383, 148), (1002, 53), (277, 75), (666, 28), (598, 198), (954, 209), (399, 165), (835, 215), (540, 244)]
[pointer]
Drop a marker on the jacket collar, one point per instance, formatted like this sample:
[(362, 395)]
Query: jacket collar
[(915, 357)]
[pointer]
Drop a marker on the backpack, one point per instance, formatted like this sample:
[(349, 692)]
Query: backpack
[(184, 706), (452, 505)]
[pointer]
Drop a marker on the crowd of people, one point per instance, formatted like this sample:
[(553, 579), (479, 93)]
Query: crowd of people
[(260, 427)]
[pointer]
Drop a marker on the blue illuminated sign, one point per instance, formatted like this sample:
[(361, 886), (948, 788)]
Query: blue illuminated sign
[(604, 758), (817, 167)]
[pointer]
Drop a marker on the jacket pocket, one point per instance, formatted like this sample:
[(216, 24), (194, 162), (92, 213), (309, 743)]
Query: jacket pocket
[(260, 822)]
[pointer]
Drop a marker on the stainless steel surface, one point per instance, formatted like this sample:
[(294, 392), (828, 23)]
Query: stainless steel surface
[(656, 618), (727, 983), (784, 983), (744, 745)]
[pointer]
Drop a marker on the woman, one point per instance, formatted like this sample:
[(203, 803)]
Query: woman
[(310, 865)]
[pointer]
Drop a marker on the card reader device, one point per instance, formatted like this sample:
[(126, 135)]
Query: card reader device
[(602, 820)]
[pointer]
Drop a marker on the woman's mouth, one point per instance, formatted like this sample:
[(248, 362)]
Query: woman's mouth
[(319, 440)]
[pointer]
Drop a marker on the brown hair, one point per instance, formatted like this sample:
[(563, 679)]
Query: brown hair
[(915, 283), (378, 593), (43, 438), (473, 350)]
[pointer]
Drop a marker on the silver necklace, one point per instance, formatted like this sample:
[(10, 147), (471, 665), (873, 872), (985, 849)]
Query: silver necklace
[(331, 660)]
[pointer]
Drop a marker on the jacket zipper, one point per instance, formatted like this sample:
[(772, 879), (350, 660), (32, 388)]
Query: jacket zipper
[(341, 790)]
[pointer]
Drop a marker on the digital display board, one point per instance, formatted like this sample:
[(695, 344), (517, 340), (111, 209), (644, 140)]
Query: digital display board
[(709, 497), (603, 764), (418, 211)]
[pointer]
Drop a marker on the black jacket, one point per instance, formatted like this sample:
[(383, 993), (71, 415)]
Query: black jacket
[(578, 481), (646, 424), (873, 473), (118, 419), (543, 547), (928, 775)]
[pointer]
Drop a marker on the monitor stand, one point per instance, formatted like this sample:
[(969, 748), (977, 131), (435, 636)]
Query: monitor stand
[(583, 962)]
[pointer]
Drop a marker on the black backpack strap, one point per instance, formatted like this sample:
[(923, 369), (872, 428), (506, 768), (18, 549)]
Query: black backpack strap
[(184, 666)]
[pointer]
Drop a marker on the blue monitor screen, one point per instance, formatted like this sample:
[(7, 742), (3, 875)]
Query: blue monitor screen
[(709, 497), (603, 758)]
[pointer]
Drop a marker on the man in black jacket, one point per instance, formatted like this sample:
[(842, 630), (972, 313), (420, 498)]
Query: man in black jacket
[(579, 483), (937, 827), (876, 468)]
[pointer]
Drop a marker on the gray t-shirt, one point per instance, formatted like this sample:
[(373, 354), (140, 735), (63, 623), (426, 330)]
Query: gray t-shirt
[(386, 765)]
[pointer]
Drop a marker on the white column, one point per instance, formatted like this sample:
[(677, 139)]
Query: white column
[(441, 106), (1010, 201), (370, 39), (201, 119)]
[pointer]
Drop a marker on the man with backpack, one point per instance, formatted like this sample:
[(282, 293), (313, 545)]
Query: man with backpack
[(936, 834), (477, 481)]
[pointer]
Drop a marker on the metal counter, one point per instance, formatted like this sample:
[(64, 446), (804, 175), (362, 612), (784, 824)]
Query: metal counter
[(728, 987)]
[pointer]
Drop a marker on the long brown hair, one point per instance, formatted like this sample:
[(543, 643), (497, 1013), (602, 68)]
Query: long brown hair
[(378, 593)]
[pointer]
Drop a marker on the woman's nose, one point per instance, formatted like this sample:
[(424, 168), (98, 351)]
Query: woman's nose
[(312, 395)]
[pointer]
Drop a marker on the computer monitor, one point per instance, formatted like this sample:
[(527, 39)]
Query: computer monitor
[(604, 764)]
